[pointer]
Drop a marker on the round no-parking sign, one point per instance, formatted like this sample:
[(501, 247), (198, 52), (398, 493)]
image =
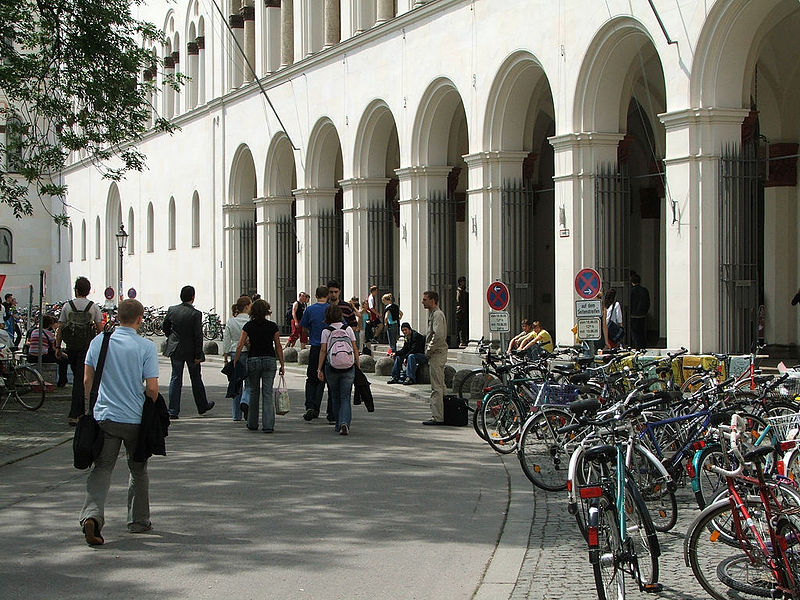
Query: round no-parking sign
[(588, 283), (497, 295)]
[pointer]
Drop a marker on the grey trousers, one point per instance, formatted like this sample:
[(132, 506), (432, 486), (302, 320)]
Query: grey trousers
[(99, 479), (437, 360)]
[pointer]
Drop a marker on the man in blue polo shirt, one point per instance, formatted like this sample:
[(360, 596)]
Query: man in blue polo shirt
[(130, 360), (314, 322)]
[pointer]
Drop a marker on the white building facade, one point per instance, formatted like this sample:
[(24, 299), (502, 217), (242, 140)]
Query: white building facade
[(413, 142)]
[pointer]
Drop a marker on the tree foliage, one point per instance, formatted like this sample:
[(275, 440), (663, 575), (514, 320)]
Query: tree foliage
[(72, 72)]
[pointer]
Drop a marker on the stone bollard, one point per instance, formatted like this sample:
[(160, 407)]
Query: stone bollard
[(424, 373), (383, 366), (479, 382), (449, 374), (302, 356), (290, 354), (367, 363), (458, 381), (211, 348)]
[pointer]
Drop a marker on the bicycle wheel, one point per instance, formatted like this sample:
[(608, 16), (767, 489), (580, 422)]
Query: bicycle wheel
[(789, 548), (477, 420), (656, 489), (716, 542), (502, 419), (209, 331), (708, 483), (609, 578), (543, 453), (27, 387), (642, 534), (739, 573)]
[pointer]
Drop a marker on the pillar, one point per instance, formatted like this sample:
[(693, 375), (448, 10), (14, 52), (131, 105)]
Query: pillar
[(385, 11), (269, 211), (176, 95), (249, 36), (359, 195), (417, 184), (486, 171), (333, 23), (233, 216), (577, 156), (287, 33), (167, 92), (310, 203), (695, 138)]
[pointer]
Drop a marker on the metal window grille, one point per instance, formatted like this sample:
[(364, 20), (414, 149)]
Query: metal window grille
[(286, 268), (380, 244), (331, 255), (519, 260), (442, 254), (247, 257)]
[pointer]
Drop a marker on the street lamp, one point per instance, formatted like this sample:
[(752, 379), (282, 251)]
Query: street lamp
[(122, 241)]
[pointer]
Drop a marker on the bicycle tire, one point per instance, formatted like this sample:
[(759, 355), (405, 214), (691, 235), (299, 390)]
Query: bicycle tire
[(28, 387), (789, 550), (502, 420), (738, 573), (709, 542), (609, 578), (544, 457), (209, 331), (642, 534), (656, 489), (477, 421), (708, 482)]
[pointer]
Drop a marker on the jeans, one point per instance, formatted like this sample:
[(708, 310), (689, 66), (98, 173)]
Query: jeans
[(393, 332), (176, 383), (340, 388), (77, 358), (397, 368), (239, 393), (314, 387), (261, 375), (99, 480), (414, 360)]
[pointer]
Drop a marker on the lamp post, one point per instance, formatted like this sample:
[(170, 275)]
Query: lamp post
[(122, 242)]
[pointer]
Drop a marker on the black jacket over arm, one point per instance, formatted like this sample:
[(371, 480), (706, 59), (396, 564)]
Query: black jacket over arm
[(413, 345), (183, 327)]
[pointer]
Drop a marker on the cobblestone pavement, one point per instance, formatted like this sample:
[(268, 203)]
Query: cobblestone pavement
[(24, 432)]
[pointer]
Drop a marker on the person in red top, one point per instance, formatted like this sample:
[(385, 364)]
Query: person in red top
[(45, 345)]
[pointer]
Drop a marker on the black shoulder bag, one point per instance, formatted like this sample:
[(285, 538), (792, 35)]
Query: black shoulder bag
[(88, 440)]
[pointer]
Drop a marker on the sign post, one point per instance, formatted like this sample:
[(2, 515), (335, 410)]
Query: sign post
[(498, 297), (589, 309)]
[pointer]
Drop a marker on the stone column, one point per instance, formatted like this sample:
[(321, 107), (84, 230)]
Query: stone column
[(333, 23), (201, 70), (287, 33), (417, 184), (236, 60), (487, 173), (577, 156), (310, 203), (695, 138), (268, 211), (359, 195), (249, 36), (272, 39), (385, 11), (191, 97)]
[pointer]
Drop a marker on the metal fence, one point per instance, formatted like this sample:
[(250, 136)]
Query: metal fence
[(286, 269), (248, 270), (331, 242), (380, 248), (739, 272), (442, 254), (519, 260)]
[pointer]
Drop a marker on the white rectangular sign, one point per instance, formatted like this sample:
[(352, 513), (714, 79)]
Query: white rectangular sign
[(588, 308), (589, 329), (500, 321)]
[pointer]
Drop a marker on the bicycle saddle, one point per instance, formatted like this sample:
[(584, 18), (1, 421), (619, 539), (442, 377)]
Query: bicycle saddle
[(604, 453)]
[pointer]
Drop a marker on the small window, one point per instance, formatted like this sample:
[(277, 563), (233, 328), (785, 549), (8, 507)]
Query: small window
[(6, 246), (195, 221), (97, 239), (58, 242), (172, 224), (71, 239), (150, 227), (83, 240), (131, 233)]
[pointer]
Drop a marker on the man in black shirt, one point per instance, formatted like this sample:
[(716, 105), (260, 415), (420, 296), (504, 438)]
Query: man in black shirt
[(412, 354), (640, 306)]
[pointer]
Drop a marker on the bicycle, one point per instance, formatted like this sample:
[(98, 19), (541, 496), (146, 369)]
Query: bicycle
[(212, 326), (20, 382), (748, 544)]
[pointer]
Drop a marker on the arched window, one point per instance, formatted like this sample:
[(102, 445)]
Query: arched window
[(172, 223), (6, 245), (58, 243), (150, 227), (97, 238), (131, 232), (195, 220), (71, 242), (83, 239)]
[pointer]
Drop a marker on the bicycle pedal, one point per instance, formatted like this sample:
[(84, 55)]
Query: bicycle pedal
[(652, 588)]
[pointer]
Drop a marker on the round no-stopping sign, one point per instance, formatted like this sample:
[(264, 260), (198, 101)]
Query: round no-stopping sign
[(588, 283), (109, 293), (131, 293), (497, 295)]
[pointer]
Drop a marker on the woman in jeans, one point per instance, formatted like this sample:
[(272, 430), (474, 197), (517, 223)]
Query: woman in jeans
[(238, 391), (340, 381), (391, 317), (263, 338)]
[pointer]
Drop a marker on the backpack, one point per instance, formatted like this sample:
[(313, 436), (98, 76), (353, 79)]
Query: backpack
[(340, 349), (289, 314), (79, 329)]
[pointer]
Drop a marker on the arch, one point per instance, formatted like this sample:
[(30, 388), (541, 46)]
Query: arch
[(280, 171), (83, 239), (605, 73), (113, 222), (171, 224), (242, 189), (131, 232), (440, 105), (192, 68), (324, 160), (376, 130), (519, 87), (150, 227), (195, 220), (6, 245), (727, 49)]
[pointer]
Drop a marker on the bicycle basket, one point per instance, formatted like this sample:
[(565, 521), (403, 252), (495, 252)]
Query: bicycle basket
[(555, 394), (784, 424), (790, 388)]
